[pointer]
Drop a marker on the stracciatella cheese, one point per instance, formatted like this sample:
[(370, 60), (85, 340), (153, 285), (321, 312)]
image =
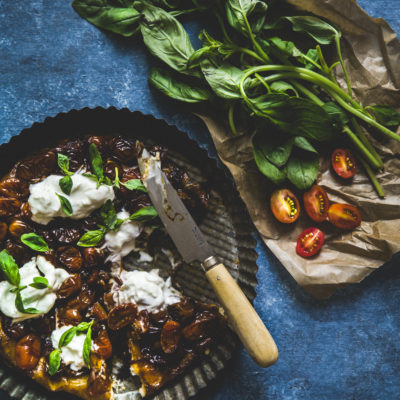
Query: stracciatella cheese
[(72, 353), (85, 197), (148, 290), (41, 299), (122, 242)]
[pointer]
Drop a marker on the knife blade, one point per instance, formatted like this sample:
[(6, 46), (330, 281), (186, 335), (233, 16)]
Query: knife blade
[(180, 225), (192, 245)]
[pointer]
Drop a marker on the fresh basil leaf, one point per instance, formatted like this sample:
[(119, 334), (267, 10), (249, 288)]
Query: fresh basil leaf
[(19, 305), (319, 30), (40, 282), (67, 337), (96, 161), (237, 11), (83, 326), (174, 86), (302, 170), (223, 78), (144, 214), (9, 268), (134, 184), (63, 163), (118, 223), (90, 176), (54, 361), (313, 55), (118, 16), (338, 115), (264, 165), (296, 116), (165, 37), (66, 184), (276, 149), (87, 346), (283, 87), (91, 238), (65, 205), (35, 242), (386, 115), (108, 215), (304, 144)]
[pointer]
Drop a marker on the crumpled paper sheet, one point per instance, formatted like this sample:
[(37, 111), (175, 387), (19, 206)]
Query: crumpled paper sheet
[(372, 55)]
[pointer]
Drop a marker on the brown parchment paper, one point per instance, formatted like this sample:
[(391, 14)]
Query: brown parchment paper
[(372, 56)]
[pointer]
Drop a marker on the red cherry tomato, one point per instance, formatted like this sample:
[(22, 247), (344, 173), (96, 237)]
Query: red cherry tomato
[(310, 242), (344, 163), (316, 203), (285, 206), (344, 216)]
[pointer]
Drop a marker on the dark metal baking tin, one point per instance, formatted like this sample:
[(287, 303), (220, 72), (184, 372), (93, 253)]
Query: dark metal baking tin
[(226, 225)]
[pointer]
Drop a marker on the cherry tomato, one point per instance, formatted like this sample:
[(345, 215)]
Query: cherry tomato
[(285, 206), (310, 242), (344, 216), (316, 203), (344, 163)]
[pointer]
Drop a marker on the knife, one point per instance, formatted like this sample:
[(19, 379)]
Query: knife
[(192, 246)]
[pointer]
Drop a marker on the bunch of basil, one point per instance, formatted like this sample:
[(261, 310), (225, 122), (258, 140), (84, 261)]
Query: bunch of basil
[(266, 72)]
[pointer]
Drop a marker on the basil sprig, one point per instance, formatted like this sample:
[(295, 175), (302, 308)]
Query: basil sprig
[(110, 222), (65, 339), (10, 271), (132, 184), (65, 182), (96, 162), (65, 205), (35, 242)]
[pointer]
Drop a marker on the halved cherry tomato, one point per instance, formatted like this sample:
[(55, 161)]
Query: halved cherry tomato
[(310, 242), (285, 206), (344, 163), (344, 216), (316, 203)]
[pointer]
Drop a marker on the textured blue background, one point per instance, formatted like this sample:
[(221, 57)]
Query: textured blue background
[(344, 348)]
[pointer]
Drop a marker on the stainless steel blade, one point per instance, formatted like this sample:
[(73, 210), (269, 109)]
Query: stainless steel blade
[(177, 220)]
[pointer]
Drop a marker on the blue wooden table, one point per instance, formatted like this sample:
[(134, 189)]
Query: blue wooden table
[(347, 347)]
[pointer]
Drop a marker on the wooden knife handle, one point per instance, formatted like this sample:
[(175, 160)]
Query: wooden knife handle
[(243, 317)]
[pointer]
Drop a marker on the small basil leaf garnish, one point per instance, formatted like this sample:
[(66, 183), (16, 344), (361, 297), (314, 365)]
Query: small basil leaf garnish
[(54, 361), (67, 336), (9, 268), (35, 242), (66, 184), (144, 214), (96, 161), (40, 282), (116, 180), (91, 238), (63, 163), (108, 215), (65, 205), (87, 345), (19, 305), (134, 184)]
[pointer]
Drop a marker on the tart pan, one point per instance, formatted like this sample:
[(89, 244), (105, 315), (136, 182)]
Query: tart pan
[(226, 226)]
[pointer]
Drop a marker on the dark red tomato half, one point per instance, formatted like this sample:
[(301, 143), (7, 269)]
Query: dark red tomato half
[(344, 216), (285, 206), (316, 203), (310, 242), (344, 163)]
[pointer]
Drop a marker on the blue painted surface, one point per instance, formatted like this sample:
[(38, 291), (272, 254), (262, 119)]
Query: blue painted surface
[(343, 348)]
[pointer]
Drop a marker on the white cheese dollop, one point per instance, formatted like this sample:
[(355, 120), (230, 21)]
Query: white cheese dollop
[(41, 299), (85, 197), (72, 353), (146, 289), (122, 242)]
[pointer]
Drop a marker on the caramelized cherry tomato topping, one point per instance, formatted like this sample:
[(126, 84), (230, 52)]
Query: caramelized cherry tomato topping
[(316, 203), (70, 286), (102, 345), (344, 163), (27, 352), (170, 336), (344, 216), (3, 230), (310, 242), (285, 206), (121, 316)]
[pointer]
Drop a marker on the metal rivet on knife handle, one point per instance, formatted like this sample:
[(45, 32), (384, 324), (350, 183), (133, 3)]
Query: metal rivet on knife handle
[(209, 263)]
